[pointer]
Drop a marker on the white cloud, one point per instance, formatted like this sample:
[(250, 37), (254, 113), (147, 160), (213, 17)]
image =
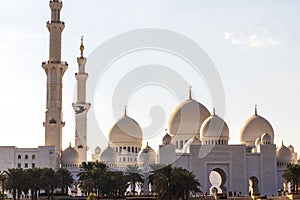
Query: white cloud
[(258, 39)]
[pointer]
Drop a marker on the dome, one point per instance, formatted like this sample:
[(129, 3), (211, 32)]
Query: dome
[(266, 138), (97, 150), (70, 156), (257, 141), (283, 154), (291, 148), (166, 139), (150, 151), (253, 128), (126, 130), (109, 155), (214, 127), (187, 117)]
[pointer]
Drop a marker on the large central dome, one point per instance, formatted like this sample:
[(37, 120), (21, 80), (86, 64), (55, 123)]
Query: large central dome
[(187, 117), (125, 130)]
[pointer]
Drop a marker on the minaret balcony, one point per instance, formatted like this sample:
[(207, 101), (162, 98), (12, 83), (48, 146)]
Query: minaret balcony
[(55, 62)]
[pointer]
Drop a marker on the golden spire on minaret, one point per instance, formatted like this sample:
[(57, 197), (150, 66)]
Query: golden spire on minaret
[(81, 47)]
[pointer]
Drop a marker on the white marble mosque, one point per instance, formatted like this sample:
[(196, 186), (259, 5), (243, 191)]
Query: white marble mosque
[(197, 140)]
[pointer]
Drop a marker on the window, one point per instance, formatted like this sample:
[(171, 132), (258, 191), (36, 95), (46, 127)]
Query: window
[(26, 165), (181, 144), (124, 159), (33, 165), (176, 144), (26, 156), (117, 149), (19, 165), (128, 149), (33, 157), (19, 156), (132, 149)]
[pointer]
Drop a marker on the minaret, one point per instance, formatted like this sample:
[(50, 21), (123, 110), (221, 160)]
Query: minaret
[(81, 108), (55, 70)]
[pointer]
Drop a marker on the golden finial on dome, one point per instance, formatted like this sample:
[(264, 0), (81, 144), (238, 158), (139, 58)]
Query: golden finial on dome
[(190, 93), (255, 110), (81, 47)]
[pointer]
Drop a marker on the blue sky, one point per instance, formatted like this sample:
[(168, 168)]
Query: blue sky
[(253, 44)]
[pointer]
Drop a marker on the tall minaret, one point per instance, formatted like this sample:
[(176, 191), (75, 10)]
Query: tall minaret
[(81, 108), (55, 70)]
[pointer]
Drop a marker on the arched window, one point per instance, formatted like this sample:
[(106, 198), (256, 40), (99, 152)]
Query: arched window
[(33, 157), (26, 156), (19, 156)]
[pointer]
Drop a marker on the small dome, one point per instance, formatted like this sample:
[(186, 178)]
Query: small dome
[(187, 117), (253, 128), (214, 127), (291, 148), (266, 138), (166, 139), (257, 141), (283, 154), (97, 150), (147, 150), (126, 130), (109, 155), (70, 156)]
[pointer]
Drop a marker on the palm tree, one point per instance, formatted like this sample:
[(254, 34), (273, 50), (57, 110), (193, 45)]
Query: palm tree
[(91, 177), (50, 181), (34, 181), (86, 166), (14, 181), (2, 180), (185, 183), (65, 179), (163, 183), (174, 183), (115, 184), (133, 174), (154, 168), (292, 174)]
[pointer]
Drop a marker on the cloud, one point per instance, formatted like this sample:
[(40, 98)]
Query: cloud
[(261, 38)]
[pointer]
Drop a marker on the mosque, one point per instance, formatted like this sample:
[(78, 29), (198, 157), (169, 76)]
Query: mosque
[(196, 140)]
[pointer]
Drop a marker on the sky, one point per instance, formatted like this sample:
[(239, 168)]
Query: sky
[(253, 45)]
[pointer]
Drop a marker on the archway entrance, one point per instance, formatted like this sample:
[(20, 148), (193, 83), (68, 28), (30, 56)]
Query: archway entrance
[(253, 185), (217, 178)]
